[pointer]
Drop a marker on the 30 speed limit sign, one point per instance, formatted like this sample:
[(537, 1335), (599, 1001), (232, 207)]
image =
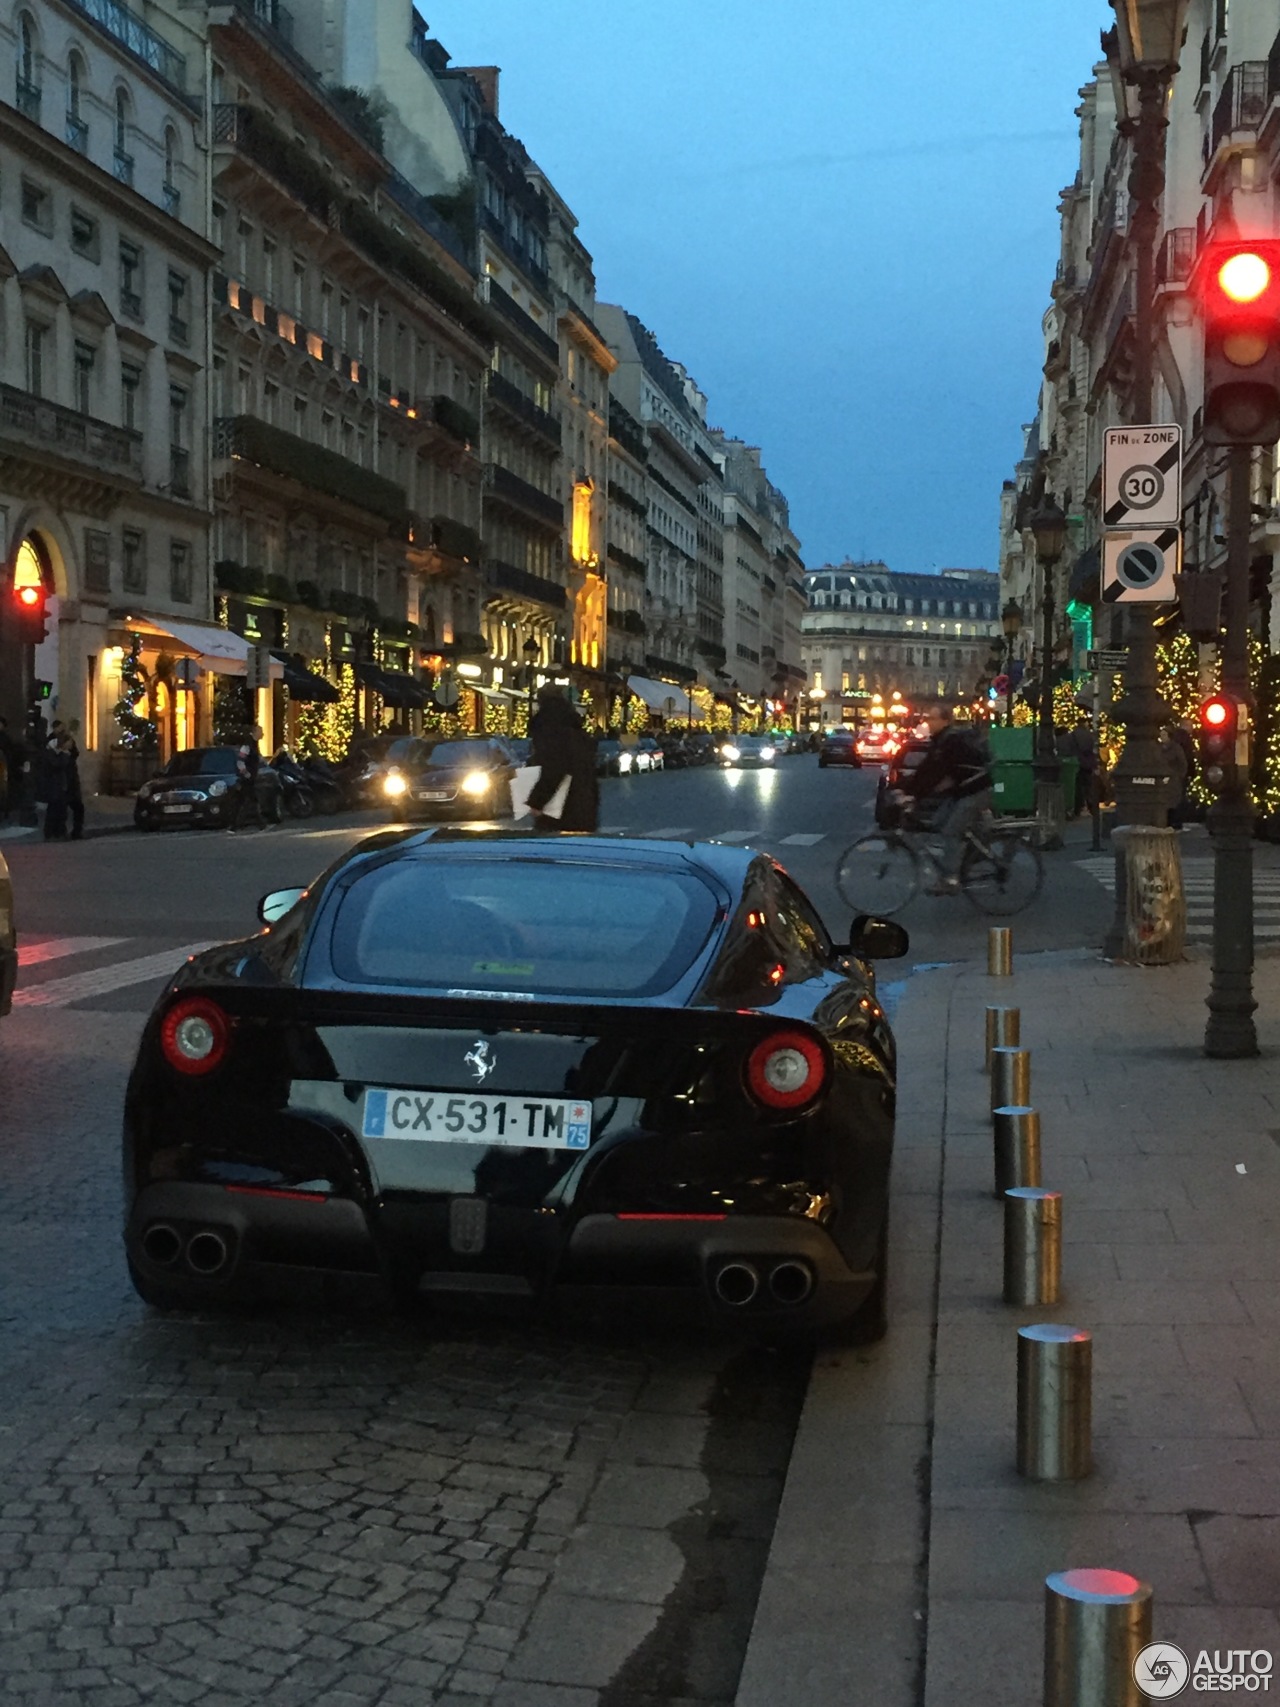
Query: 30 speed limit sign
[(1142, 477)]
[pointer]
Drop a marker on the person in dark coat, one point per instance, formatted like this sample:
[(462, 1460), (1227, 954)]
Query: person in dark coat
[(57, 786), (561, 747)]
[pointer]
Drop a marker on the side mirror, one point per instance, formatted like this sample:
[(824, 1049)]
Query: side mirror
[(275, 905), (877, 939)]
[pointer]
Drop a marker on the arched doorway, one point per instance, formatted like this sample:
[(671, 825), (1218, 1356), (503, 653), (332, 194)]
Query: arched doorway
[(22, 661)]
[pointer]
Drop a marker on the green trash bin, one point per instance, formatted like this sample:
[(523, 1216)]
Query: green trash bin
[(1013, 783)]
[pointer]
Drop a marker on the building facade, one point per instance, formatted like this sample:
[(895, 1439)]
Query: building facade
[(921, 637), (105, 266), (763, 580)]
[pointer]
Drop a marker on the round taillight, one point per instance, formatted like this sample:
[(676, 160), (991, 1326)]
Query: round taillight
[(786, 1069), (194, 1035)]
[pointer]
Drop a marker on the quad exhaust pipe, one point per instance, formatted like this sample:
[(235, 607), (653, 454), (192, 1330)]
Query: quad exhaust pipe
[(206, 1250), (739, 1283)]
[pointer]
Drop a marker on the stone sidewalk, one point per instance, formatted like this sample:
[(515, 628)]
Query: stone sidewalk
[(909, 1559)]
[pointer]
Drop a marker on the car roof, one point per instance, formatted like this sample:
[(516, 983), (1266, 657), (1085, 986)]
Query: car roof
[(728, 864)]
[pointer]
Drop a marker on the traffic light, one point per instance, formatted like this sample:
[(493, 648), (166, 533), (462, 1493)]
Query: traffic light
[(1224, 739), (31, 613), (1239, 291)]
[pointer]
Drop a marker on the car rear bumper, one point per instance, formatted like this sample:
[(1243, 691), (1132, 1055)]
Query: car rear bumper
[(753, 1269)]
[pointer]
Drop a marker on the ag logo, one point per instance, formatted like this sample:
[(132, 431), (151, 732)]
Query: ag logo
[(1161, 1671)]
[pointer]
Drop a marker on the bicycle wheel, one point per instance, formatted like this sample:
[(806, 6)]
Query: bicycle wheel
[(878, 874), (1004, 875)]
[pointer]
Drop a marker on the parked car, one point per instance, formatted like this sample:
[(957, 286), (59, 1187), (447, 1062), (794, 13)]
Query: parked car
[(742, 751), (467, 779), (517, 1064), (198, 788), (907, 759), (702, 747), (613, 759), (839, 747), (8, 940), (675, 753), (648, 754)]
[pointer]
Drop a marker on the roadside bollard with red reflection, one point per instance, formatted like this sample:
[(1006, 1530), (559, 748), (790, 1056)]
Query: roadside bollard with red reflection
[(1238, 286), (1224, 739)]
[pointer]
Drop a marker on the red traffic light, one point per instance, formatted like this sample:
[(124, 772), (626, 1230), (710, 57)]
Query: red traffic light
[(1244, 276), (1214, 713), (29, 597)]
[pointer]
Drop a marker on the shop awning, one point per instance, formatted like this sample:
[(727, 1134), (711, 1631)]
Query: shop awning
[(394, 687), (220, 650), (669, 698), (304, 684)]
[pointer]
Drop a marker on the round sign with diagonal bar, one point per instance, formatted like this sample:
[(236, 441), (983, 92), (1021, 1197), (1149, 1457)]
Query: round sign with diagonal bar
[(1140, 565)]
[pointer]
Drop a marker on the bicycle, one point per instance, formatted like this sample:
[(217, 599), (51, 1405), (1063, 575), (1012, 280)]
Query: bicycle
[(1000, 869)]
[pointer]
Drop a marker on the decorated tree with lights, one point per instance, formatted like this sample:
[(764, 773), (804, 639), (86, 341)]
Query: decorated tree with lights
[(137, 732)]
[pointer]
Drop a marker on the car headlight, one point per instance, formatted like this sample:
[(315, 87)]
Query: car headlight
[(146, 791), (730, 753), (394, 785), (767, 752), (217, 790), (476, 782), (624, 763)]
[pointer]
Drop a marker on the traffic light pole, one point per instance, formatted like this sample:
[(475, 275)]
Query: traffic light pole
[(1141, 779), (1230, 1032)]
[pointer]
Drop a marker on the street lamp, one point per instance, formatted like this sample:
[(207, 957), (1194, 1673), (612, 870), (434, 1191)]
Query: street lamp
[(1142, 56), (530, 650), (1049, 530), (1011, 622)]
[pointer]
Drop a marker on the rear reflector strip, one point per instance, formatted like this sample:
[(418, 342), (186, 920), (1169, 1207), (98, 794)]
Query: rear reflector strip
[(279, 1191), (671, 1217)]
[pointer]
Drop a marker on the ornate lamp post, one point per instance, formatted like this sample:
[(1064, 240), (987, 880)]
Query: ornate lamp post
[(1011, 622), (1142, 55), (1049, 528)]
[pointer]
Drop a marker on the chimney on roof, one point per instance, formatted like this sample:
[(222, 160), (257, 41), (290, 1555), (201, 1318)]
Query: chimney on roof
[(486, 77)]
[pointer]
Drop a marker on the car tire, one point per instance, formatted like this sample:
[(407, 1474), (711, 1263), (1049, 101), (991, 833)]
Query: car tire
[(870, 1321)]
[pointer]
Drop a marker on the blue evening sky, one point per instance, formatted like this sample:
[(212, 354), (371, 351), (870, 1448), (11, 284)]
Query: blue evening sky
[(840, 216)]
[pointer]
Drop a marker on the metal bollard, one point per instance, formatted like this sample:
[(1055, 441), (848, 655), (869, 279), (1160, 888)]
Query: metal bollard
[(999, 951), (1010, 1077), (1004, 1026), (1015, 1132), (1055, 1403), (1096, 1623), (1032, 1245)]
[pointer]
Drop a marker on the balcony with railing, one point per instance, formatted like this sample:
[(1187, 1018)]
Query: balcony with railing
[(33, 426), (26, 97), (1175, 257), (508, 578), (510, 310), (514, 401), (1241, 106), (427, 216), (136, 37), (520, 494), (77, 134), (247, 439), (271, 15), (171, 199), (122, 167)]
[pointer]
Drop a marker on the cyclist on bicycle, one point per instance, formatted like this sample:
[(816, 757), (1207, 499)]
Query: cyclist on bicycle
[(954, 777)]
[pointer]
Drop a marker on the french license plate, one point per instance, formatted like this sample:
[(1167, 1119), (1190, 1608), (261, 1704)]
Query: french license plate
[(433, 794), (175, 809), (450, 1117)]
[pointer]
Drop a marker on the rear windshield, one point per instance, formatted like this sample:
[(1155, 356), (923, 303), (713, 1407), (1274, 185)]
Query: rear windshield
[(200, 761), (552, 927)]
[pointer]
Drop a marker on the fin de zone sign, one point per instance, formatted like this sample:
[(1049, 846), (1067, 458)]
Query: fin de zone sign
[(1142, 477)]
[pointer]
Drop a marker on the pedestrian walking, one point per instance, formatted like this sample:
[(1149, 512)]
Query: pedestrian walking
[(75, 794), (561, 748), (1179, 753), (248, 763), (57, 786), (13, 765)]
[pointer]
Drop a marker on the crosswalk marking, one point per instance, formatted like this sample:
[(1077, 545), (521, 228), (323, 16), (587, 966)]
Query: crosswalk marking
[(76, 986), (736, 836), (1198, 891), (669, 833), (59, 947), (801, 841)]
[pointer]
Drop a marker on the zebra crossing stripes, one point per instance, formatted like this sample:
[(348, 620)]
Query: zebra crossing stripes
[(1197, 885), (61, 947), (102, 980), (801, 841)]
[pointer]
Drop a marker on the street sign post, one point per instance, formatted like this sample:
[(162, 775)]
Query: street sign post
[(1142, 477), (1115, 658), (1139, 565)]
